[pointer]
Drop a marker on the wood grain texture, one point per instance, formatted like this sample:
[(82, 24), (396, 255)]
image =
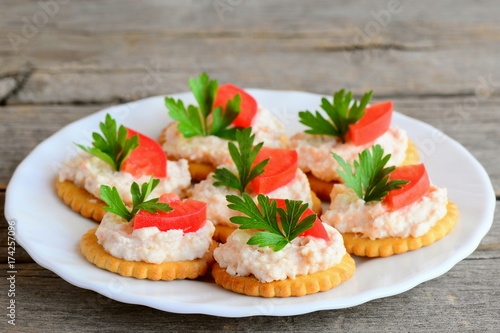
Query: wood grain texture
[(109, 54), (446, 299), (438, 61), (448, 303), (21, 256)]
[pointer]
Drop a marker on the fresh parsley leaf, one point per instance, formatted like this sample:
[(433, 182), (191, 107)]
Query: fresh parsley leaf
[(289, 218), (341, 114), (116, 205), (114, 147), (204, 120), (204, 90), (221, 121), (281, 225), (243, 157), (190, 121), (370, 179)]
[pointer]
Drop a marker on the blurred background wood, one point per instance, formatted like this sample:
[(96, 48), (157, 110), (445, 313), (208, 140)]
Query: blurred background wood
[(62, 60)]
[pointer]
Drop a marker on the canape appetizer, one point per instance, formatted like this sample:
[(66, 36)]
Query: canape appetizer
[(118, 157), (254, 170), (351, 128), (281, 249), (200, 134), (158, 239), (381, 211)]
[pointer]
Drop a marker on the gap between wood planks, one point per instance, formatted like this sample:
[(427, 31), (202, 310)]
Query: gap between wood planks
[(120, 100), (20, 77), (23, 74), (360, 43)]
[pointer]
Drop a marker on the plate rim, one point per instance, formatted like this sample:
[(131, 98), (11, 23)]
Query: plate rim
[(364, 297)]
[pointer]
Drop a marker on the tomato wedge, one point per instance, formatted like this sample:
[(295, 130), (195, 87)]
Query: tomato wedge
[(248, 104), (169, 198), (317, 230), (147, 159), (417, 187), (280, 170), (189, 215), (373, 124)]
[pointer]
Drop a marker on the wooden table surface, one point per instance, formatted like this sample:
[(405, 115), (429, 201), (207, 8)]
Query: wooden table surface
[(63, 60)]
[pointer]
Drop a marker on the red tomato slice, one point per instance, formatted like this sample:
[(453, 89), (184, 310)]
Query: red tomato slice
[(189, 215), (417, 187), (280, 170), (147, 159), (169, 198), (317, 230), (248, 104), (373, 124)]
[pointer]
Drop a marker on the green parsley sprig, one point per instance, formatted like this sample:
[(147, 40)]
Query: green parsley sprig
[(204, 120), (114, 147), (341, 114), (281, 225), (370, 179), (243, 156), (116, 205)]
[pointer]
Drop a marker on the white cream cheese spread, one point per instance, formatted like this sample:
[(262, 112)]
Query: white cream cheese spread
[(315, 151), (89, 172), (304, 255), (349, 213), (213, 150), (215, 197), (151, 245)]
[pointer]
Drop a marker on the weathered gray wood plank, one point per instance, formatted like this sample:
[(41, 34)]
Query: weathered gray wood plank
[(438, 60), (319, 47), (170, 62), (464, 299), (450, 303), (473, 125), (415, 20), (435, 73), (24, 127), (21, 256)]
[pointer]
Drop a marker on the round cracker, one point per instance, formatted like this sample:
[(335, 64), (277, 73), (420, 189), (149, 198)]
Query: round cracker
[(200, 171), (323, 188), (316, 204), (80, 200), (299, 286), (167, 271), (222, 232), (384, 247), (412, 155), (163, 135)]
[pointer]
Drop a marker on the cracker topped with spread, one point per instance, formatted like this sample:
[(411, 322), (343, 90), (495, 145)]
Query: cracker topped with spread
[(200, 133), (118, 157), (351, 127), (254, 170), (281, 249), (382, 210), (159, 239)]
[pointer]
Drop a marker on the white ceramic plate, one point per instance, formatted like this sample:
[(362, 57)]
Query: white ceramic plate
[(51, 232)]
